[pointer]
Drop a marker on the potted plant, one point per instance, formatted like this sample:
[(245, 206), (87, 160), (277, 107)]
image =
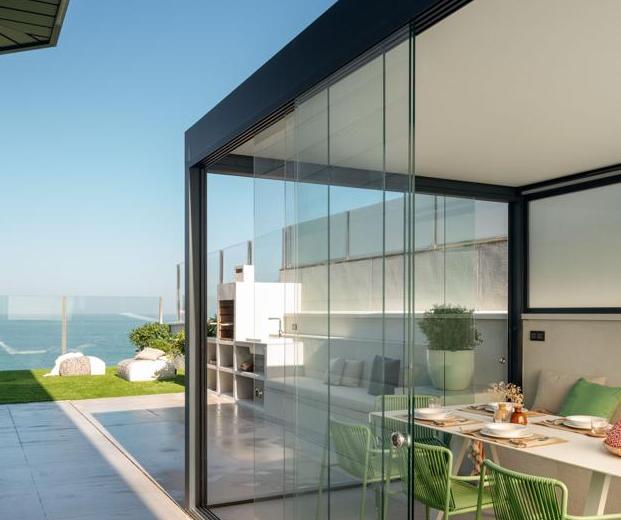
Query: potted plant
[(452, 336)]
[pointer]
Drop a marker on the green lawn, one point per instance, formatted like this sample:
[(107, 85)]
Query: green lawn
[(27, 386)]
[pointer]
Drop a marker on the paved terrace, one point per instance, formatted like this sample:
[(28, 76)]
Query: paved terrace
[(58, 463)]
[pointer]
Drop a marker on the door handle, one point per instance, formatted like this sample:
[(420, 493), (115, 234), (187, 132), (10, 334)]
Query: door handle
[(502, 360), (399, 440)]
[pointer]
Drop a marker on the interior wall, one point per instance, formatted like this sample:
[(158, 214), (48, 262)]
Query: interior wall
[(579, 346), (587, 347)]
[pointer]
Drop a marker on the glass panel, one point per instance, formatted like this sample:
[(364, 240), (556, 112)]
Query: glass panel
[(313, 331), (354, 300), (461, 269), (230, 465), (35, 330), (582, 229)]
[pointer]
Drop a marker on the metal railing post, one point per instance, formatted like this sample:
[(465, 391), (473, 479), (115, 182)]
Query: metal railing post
[(249, 253), (63, 326), (179, 292), (221, 279), (161, 310)]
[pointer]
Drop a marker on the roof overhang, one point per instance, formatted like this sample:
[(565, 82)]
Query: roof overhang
[(340, 35), (30, 24), (510, 93)]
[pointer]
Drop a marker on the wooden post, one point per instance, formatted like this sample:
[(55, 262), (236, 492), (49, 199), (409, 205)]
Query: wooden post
[(63, 326)]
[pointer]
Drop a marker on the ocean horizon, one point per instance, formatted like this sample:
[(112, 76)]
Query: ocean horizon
[(35, 341)]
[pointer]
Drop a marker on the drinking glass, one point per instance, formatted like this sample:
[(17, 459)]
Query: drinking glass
[(502, 413), (435, 402), (599, 426)]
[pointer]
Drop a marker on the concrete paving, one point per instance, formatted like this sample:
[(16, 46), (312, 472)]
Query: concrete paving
[(56, 463)]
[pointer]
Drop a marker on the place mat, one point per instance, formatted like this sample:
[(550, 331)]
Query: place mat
[(558, 425), (456, 420), (536, 441), (480, 409)]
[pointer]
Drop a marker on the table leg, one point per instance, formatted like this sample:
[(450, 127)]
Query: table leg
[(598, 494), (493, 451), (462, 448)]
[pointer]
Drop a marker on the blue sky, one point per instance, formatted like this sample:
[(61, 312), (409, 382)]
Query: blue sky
[(91, 136)]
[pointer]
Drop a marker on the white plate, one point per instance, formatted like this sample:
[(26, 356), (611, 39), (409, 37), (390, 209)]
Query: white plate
[(506, 430), (492, 407), (432, 414), (580, 422)]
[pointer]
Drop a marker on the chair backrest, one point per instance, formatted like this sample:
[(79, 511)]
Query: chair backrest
[(383, 427), (517, 496), (432, 474), (351, 443), (390, 403)]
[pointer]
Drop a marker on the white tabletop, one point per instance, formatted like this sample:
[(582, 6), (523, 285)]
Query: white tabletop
[(580, 451)]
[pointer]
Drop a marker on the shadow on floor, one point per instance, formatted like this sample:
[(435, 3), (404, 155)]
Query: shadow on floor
[(55, 465)]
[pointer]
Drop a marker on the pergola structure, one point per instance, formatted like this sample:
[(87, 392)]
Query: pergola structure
[(509, 108)]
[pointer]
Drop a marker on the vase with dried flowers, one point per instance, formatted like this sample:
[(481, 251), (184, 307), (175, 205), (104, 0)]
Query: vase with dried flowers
[(513, 394)]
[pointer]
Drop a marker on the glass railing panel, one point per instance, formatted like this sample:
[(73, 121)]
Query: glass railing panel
[(35, 330)]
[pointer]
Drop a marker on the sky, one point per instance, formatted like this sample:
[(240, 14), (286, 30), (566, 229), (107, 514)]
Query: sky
[(91, 137)]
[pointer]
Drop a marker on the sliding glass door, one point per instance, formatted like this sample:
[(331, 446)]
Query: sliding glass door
[(310, 292)]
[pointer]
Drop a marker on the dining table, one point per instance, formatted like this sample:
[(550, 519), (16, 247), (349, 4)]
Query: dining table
[(573, 448)]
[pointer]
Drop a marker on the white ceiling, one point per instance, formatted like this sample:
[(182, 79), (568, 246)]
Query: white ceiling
[(518, 91), (507, 92)]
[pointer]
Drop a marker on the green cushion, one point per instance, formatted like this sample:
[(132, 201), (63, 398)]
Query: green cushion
[(586, 398)]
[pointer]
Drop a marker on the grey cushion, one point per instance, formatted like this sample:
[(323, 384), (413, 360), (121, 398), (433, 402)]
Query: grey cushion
[(352, 372), (554, 386), (334, 374), (384, 375)]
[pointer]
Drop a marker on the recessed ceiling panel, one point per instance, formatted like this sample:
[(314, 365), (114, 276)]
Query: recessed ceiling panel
[(519, 91)]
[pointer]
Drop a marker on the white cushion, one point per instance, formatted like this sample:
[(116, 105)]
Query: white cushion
[(146, 370), (150, 354), (352, 373), (553, 387), (98, 366)]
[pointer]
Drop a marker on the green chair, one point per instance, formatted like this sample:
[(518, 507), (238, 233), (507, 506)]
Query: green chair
[(435, 486), (383, 427), (358, 455), (516, 496)]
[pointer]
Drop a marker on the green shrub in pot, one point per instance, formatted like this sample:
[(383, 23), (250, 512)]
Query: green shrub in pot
[(452, 337)]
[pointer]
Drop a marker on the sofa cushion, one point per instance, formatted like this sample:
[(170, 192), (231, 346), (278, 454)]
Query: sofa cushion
[(150, 354), (145, 370), (384, 375), (343, 399), (553, 388), (334, 374), (586, 398), (352, 373)]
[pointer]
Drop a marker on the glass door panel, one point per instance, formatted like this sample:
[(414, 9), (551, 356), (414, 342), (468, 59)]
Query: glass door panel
[(311, 369), (349, 253)]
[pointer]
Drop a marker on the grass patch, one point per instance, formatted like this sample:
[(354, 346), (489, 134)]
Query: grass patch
[(28, 386)]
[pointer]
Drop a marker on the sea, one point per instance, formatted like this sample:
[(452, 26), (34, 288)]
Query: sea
[(36, 343)]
